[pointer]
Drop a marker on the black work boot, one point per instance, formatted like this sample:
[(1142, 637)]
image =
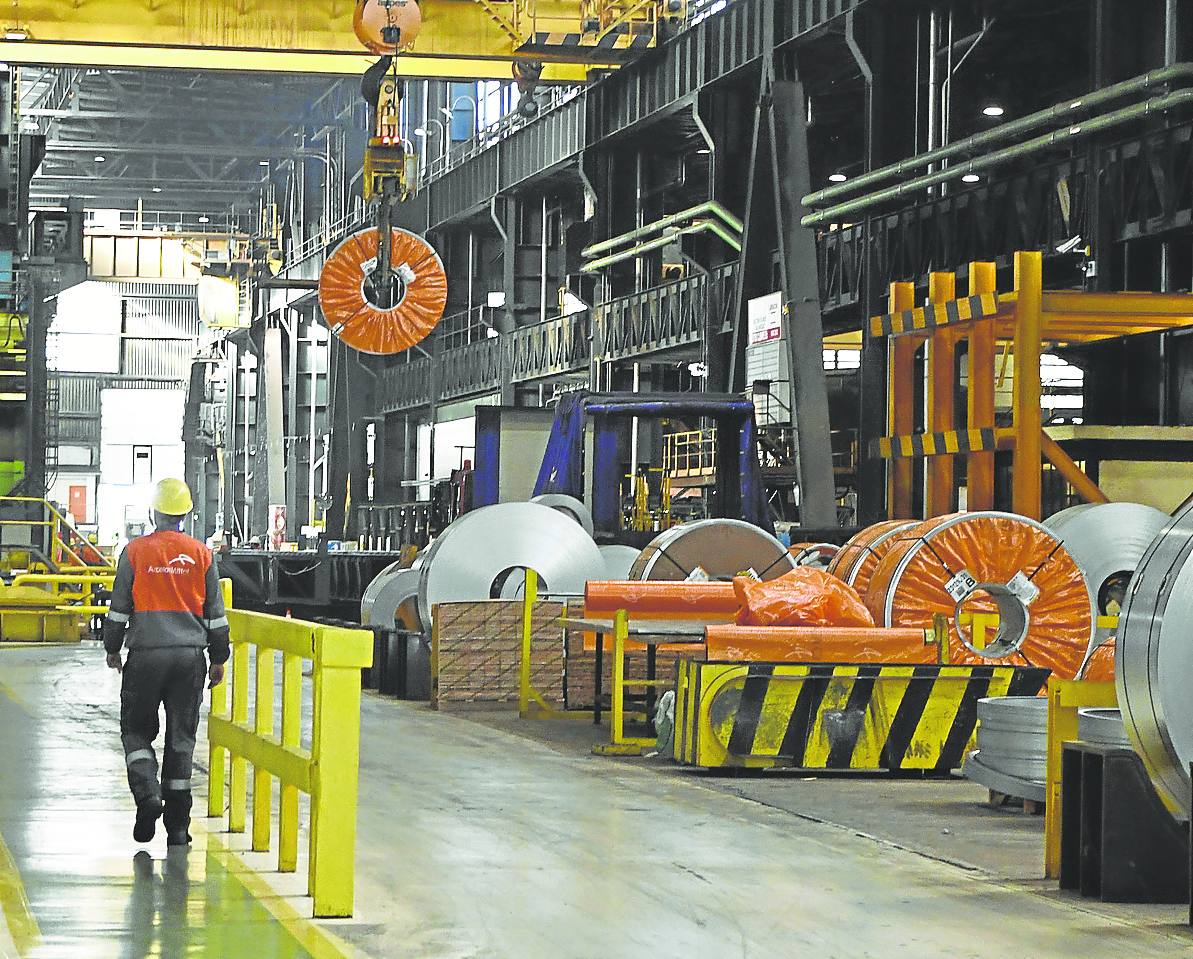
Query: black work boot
[(148, 813), (177, 817)]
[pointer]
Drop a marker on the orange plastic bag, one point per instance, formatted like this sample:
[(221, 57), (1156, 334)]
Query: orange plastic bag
[(804, 597)]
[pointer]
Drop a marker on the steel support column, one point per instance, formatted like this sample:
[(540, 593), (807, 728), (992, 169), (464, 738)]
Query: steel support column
[(979, 467), (1029, 309), (900, 409), (939, 406), (804, 329)]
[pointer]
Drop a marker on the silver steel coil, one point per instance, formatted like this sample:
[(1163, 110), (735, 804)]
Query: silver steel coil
[(1103, 726), (569, 506), (722, 548), (1107, 540), (396, 603), (1012, 753), (374, 587), (619, 560), (475, 557), (1154, 660)]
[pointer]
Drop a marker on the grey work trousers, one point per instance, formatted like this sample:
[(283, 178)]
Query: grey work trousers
[(172, 676)]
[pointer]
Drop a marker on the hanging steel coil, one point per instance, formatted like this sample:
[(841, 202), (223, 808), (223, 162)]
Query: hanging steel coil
[(858, 558), (1154, 660), (476, 557), (1004, 567), (382, 321), (722, 548)]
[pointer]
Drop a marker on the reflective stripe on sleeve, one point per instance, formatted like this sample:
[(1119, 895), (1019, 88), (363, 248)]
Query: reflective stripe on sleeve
[(116, 617), (217, 623), (137, 755)]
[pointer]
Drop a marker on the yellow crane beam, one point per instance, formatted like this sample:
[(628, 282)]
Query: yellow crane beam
[(460, 39)]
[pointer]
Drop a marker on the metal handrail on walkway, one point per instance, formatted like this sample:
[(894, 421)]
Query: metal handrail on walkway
[(327, 772)]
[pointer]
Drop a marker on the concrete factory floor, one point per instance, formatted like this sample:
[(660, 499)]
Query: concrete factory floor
[(483, 837)]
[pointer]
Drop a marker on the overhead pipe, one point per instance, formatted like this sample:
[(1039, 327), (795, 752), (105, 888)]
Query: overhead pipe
[(704, 226), (1033, 121), (709, 206), (1024, 149)]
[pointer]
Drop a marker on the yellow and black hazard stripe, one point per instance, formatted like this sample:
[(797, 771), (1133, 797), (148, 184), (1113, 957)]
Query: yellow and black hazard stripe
[(617, 38), (977, 307), (831, 716), (938, 444)]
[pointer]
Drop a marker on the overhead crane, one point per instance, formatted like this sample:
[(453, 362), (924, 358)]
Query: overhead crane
[(460, 39)]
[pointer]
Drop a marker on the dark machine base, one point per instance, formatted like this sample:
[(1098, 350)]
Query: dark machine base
[(1118, 841)]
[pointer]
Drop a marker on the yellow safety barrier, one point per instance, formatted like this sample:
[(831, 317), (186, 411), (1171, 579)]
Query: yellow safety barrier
[(1065, 698), (531, 704), (62, 534), (327, 772)]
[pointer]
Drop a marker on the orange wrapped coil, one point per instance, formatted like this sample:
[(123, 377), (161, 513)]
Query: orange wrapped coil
[(909, 587), (661, 599), (818, 644), (370, 328), (859, 557)]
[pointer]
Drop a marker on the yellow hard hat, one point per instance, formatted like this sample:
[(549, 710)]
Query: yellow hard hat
[(172, 497)]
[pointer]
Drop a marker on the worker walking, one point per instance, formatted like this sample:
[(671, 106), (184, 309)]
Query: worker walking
[(167, 609)]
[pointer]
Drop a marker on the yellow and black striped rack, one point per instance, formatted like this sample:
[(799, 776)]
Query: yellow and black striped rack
[(836, 716)]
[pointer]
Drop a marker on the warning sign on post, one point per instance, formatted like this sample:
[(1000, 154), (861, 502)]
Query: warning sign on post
[(765, 314)]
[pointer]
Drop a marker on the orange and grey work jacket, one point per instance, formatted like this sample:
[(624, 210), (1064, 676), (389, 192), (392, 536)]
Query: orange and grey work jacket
[(167, 594)]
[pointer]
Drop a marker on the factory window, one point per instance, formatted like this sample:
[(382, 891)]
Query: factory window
[(842, 359)]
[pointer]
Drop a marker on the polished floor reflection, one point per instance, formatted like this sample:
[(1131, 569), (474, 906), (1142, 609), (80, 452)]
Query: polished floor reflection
[(66, 820)]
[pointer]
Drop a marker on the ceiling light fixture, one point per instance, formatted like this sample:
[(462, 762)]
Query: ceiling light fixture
[(16, 33), (993, 110), (262, 163), (100, 159), (704, 151), (157, 189), (837, 178), (970, 178), (204, 219)]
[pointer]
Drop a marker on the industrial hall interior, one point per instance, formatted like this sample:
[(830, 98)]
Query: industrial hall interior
[(596, 479)]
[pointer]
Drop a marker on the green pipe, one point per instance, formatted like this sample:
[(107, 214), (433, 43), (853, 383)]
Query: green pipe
[(661, 241), (709, 206), (1026, 148), (1179, 71)]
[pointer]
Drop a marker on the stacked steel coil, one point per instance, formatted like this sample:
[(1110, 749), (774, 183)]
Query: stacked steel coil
[(1012, 753)]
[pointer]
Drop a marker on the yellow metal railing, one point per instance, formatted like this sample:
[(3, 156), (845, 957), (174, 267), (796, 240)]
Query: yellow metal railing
[(62, 532), (327, 772), (690, 453)]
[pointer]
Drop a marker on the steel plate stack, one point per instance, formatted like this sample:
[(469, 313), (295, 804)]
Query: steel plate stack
[(1012, 752), (1154, 660)]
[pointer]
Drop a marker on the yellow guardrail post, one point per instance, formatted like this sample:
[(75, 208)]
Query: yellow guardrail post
[(529, 596), (217, 755), (263, 727), (291, 717), (340, 654), (238, 776)]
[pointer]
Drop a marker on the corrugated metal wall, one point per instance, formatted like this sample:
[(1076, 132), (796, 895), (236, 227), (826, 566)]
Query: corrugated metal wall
[(160, 328)]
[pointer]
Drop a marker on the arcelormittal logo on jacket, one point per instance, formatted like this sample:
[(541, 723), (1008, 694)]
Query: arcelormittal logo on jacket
[(180, 565)]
